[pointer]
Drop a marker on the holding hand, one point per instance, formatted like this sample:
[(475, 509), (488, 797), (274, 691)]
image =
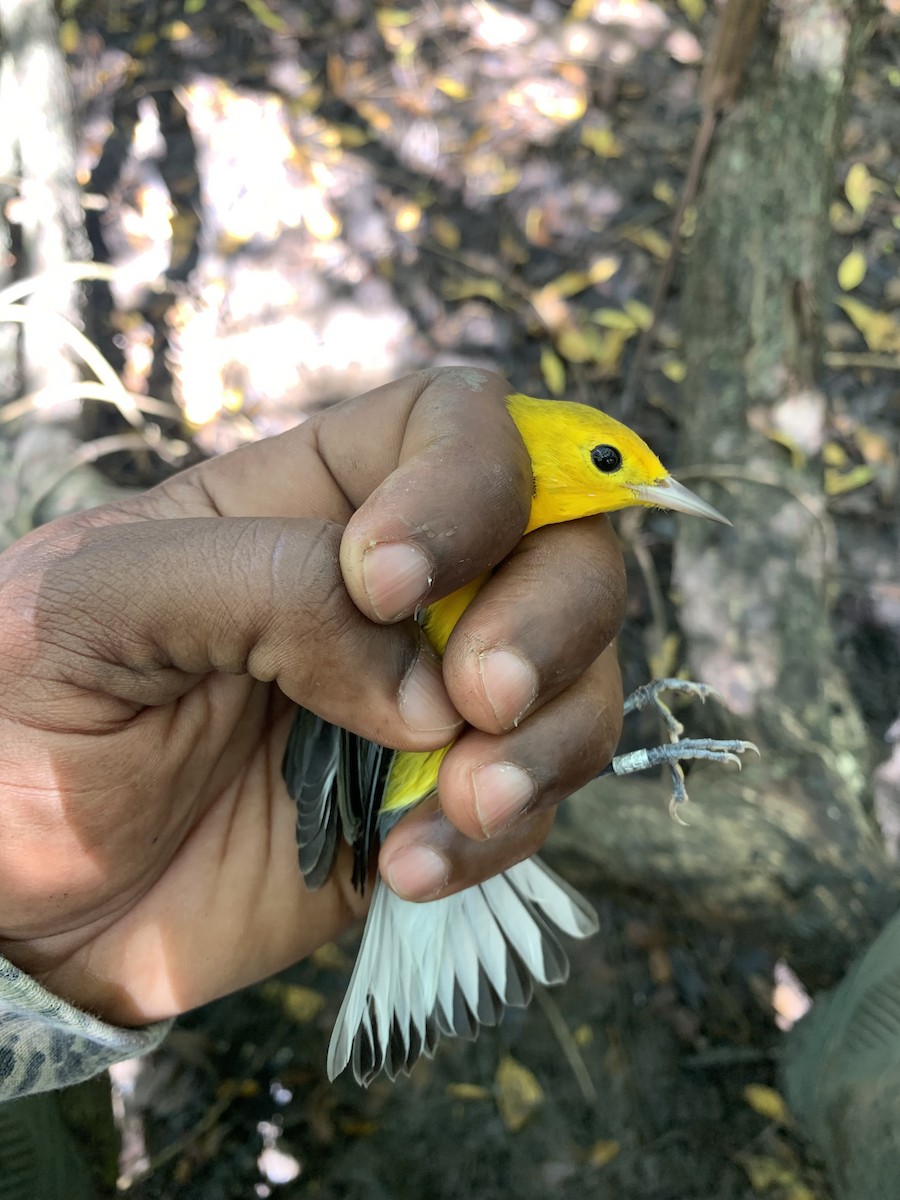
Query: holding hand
[(152, 652)]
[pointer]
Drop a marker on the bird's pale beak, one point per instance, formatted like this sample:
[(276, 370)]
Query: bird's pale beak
[(674, 495)]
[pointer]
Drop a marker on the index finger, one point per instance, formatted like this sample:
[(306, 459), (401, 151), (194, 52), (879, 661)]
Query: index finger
[(428, 474), (455, 505)]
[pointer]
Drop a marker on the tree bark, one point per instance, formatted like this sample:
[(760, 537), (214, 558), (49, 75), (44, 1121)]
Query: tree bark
[(787, 853)]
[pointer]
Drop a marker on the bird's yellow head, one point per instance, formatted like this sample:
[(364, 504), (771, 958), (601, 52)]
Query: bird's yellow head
[(585, 462)]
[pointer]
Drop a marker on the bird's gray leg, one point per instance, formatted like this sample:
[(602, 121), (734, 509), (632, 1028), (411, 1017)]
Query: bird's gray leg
[(678, 750)]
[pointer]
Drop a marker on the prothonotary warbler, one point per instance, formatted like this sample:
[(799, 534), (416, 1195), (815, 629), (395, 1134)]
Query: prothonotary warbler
[(451, 965)]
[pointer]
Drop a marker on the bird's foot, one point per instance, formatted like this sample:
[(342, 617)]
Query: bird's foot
[(678, 750)]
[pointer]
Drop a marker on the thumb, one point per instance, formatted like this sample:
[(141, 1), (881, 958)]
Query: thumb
[(124, 615)]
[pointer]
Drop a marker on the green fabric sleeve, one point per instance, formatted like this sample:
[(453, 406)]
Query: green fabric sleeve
[(45, 1043)]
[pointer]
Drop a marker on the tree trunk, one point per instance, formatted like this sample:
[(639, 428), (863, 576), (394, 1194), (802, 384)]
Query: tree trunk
[(787, 853)]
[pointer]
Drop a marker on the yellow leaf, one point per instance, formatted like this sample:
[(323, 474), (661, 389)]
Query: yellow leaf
[(837, 484), (858, 188), (841, 218), (584, 345), (265, 16), (583, 1036), (519, 1094), (674, 369), (445, 232), (144, 43), (467, 289), (780, 438), (570, 283), (834, 455), (176, 31), (358, 1127), (692, 9), (581, 10), (648, 239), (664, 661), (767, 1174), (553, 371), (300, 1004), (534, 222), (352, 137), (468, 1091), (880, 330), (852, 270), (375, 116), (392, 18), (69, 36), (454, 88), (614, 318), (603, 269), (639, 313), (331, 957), (407, 218), (322, 223), (602, 142), (767, 1102), (602, 1153), (664, 193), (873, 446), (568, 107), (763, 1172)]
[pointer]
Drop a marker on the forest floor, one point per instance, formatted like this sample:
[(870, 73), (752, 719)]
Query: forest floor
[(305, 200)]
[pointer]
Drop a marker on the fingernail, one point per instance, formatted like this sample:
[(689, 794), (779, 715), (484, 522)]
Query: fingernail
[(502, 793), (397, 577), (417, 872), (424, 704), (510, 684)]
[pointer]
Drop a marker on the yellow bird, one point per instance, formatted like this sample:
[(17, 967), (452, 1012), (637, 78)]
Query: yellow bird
[(451, 965)]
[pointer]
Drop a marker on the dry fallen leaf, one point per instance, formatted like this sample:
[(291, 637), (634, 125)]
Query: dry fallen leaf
[(467, 289), (664, 660), (838, 483), (858, 188), (445, 232), (767, 1102), (852, 270), (602, 1153), (300, 1004), (454, 88), (519, 1095), (602, 142), (468, 1091), (553, 371), (881, 330), (673, 369), (766, 1174), (692, 9), (614, 318), (650, 240)]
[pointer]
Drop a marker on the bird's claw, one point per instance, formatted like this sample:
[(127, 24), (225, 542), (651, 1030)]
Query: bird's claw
[(678, 750), (651, 694)]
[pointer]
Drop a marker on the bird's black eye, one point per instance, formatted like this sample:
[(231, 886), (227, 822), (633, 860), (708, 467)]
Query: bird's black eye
[(606, 459)]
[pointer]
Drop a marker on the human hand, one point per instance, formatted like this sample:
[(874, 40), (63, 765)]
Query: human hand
[(152, 652)]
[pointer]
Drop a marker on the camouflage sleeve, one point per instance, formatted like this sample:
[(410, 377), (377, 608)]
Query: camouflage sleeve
[(45, 1043)]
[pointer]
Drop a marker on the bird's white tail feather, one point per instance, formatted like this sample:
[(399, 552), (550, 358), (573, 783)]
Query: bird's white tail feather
[(451, 965)]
